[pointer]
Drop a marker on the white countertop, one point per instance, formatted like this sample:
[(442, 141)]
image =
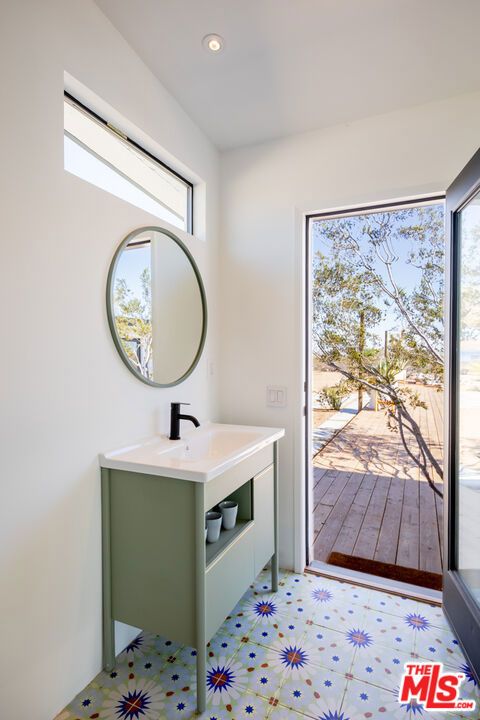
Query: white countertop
[(201, 454)]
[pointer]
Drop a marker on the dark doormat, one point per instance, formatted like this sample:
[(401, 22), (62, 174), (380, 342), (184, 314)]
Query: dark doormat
[(387, 570)]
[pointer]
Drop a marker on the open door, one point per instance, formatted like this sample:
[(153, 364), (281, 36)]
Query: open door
[(462, 552)]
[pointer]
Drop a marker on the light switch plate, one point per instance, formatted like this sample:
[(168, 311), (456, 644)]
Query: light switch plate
[(276, 396)]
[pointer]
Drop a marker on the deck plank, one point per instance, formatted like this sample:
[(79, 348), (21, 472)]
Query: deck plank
[(323, 485), (372, 522), (336, 519), (408, 553), (347, 537), (320, 516), (371, 500), (430, 557), (333, 493), (387, 544)]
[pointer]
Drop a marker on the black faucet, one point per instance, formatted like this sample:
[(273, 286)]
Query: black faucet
[(175, 417)]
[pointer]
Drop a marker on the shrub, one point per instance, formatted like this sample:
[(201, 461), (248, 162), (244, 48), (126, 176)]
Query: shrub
[(332, 397)]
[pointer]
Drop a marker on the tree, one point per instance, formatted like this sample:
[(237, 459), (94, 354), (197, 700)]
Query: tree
[(356, 286), (470, 286), (133, 318)]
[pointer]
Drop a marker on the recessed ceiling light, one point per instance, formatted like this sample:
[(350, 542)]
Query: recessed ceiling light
[(213, 43)]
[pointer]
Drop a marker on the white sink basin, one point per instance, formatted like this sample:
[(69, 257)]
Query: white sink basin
[(202, 454)]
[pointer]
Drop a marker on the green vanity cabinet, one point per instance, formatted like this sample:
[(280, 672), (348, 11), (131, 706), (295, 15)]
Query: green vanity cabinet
[(264, 538), (227, 578), (158, 572), (151, 544)]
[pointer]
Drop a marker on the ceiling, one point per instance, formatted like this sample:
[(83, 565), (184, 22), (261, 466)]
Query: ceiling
[(290, 66)]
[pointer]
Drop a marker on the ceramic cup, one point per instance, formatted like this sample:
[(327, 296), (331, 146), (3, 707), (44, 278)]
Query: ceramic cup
[(214, 525), (229, 510)]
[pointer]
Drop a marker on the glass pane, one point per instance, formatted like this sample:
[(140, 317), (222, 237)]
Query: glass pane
[(133, 305), (97, 154), (468, 457)]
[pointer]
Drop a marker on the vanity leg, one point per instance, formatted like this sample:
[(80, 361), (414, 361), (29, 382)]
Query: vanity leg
[(201, 618), (108, 645), (108, 623), (274, 561), (201, 681)]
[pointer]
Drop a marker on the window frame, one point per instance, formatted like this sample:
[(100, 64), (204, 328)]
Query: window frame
[(141, 150)]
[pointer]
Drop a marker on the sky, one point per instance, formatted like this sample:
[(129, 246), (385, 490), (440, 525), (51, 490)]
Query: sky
[(131, 264), (405, 274)]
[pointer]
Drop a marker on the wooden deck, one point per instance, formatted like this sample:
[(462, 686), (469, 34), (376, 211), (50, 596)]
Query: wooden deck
[(370, 499)]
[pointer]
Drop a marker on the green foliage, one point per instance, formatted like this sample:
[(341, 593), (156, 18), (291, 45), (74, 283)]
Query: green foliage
[(332, 397), (356, 286), (470, 287), (133, 319), (359, 277)]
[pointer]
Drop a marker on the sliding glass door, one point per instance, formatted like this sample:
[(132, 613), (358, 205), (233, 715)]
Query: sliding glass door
[(462, 574)]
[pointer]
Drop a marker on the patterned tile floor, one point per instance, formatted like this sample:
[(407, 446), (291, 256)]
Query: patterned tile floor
[(318, 649)]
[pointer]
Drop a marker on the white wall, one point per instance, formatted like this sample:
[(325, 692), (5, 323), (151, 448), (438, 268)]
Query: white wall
[(266, 189), (65, 393)]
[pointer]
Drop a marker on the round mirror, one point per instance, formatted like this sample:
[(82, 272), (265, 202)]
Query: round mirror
[(156, 306)]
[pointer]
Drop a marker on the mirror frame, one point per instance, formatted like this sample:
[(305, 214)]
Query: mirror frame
[(110, 305)]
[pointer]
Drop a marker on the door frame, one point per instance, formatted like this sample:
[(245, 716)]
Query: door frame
[(462, 612), (353, 209)]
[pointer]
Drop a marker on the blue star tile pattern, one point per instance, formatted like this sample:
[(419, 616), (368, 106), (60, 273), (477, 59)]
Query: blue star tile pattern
[(359, 638), (322, 688), (322, 595), (263, 634), (438, 645), (319, 649), (468, 672), (417, 622), (220, 644), (380, 666)]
